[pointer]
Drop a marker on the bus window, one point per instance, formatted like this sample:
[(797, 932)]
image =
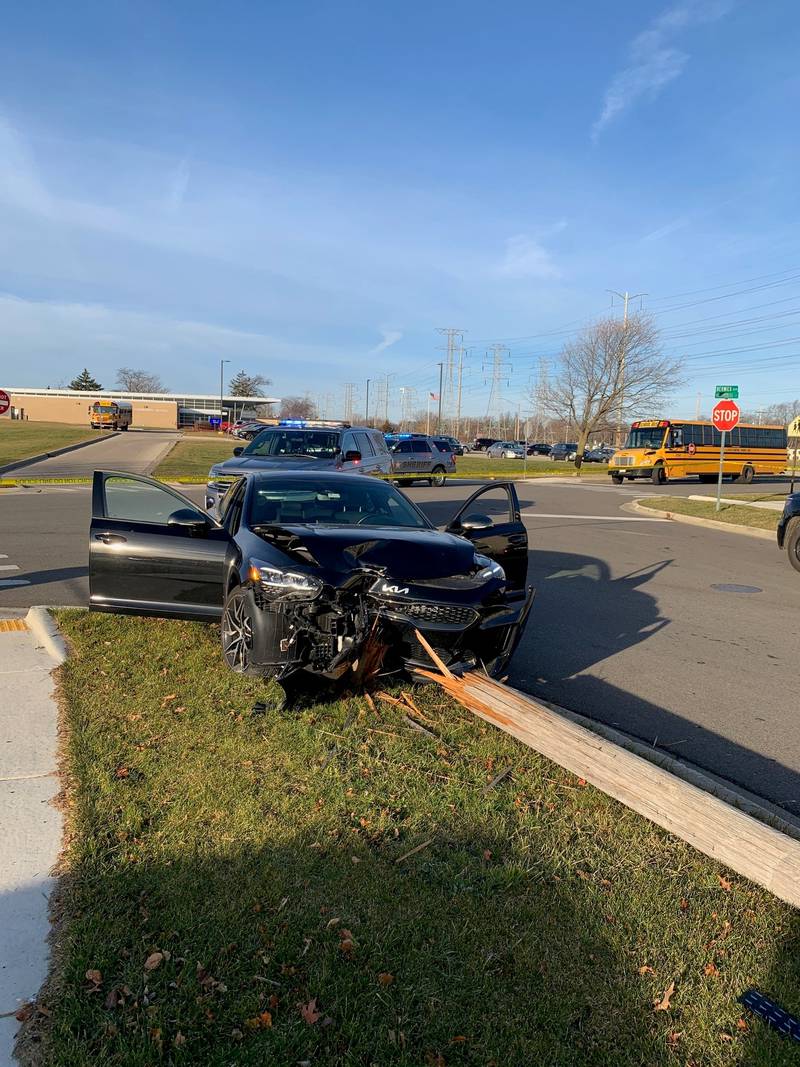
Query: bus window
[(645, 437), (676, 437)]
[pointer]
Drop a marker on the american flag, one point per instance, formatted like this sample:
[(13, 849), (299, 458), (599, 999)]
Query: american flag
[(434, 396)]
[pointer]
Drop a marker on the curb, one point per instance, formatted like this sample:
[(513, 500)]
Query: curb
[(22, 463), (42, 625), (710, 524)]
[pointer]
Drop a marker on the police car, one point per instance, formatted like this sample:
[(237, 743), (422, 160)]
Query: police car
[(415, 457), (303, 445)]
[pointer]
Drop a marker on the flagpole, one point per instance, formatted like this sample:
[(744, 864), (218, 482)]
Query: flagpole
[(428, 421)]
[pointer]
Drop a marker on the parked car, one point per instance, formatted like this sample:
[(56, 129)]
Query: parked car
[(480, 444), (789, 529), (246, 431), (539, 448), (415, 457), (598, 455), (564, 451), (506, 450), (448, 444), (306, 568), (299, 444)]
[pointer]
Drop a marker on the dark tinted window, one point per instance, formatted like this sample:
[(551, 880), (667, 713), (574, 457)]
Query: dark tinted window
[(320, 444), (420, 446), (364, 443)]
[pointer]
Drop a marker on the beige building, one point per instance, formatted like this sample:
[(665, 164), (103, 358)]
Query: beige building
[(167, 411)]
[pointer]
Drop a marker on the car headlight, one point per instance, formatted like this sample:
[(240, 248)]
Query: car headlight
[(489, 568), (284, 585)]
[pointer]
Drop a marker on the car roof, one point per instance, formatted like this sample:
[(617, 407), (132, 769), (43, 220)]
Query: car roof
[(314, 477)]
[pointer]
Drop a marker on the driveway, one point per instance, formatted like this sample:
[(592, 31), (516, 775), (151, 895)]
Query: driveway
[(135, 451)]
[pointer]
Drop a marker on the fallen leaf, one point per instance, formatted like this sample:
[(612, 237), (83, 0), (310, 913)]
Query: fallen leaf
[(434, 1059), (153, 961), (121, 772), (644, 969), (725, 1037), (273, 1002), (95, 977), (168, 698), (487, 854), (581, 781), (459, 1039), (663, 1004), (684, 904), (347, 946), (178, 1040), (112, 1000), (384, 978), (23, 1013), (725, 883), (710, 970), (332, 922), (741, 1024), (309, 1012), (674, 1038)]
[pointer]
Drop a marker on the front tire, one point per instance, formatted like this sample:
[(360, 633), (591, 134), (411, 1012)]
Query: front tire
[(659, 475), (236, 631), (617, 479), (746, 475), (793, 543), (438, 476)]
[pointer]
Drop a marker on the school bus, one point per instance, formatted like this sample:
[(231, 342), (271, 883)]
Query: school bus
[(661, 449), (113, 414)]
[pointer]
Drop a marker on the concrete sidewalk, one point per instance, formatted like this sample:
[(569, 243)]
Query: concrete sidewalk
[(30, 826)]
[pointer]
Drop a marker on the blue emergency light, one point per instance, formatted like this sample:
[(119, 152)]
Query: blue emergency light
[(298, 424)]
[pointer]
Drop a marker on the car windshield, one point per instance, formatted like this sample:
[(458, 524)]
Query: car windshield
[(316, 444), (342, 503), (649, 437)]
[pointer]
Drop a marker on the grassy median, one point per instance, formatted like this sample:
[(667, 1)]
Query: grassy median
[(736, 514), (19, 440), (354, 885), (191, 458)]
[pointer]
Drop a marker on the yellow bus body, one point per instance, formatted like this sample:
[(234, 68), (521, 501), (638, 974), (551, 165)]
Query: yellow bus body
[(110, 414), (664, 449)]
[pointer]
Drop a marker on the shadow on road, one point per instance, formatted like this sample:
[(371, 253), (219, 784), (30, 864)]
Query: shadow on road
[(583, 617), (59, 574)]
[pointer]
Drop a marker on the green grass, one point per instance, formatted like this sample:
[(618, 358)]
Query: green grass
[(736, 514), (191, 458), (538, 923), (19, 440)]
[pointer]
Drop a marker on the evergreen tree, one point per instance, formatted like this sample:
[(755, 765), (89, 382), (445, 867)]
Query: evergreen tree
[(85, 382), (243, 384)]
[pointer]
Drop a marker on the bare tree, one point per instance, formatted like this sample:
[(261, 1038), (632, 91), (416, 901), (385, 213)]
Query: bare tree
[(612, 370), (139, 381), (298, 407)]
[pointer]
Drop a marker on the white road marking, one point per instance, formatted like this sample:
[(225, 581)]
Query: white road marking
[(592, 518), (8, 566)]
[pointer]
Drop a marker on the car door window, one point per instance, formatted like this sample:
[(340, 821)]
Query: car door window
[(232, 516), (364, 444), (379, 442), (349, 443), (136, 501)]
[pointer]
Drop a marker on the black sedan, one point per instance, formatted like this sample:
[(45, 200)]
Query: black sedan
[(314, 572), (789, 529)]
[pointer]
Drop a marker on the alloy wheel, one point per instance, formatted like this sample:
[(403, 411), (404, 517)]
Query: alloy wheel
[(237, 634)]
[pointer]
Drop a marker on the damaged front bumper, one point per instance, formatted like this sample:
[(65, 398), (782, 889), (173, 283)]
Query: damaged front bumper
[(352, 630)]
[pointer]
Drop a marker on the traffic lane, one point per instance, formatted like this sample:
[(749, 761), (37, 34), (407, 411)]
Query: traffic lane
[(628, 628), (135, 452)]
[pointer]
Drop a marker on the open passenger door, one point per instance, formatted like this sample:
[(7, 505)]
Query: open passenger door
[(496, 529), (153, 551)]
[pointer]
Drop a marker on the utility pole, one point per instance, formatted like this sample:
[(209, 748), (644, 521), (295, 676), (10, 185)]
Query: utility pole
[(439, 413), (697, 403), (408, 402), (624, 297), (366, 405), (455, 338)]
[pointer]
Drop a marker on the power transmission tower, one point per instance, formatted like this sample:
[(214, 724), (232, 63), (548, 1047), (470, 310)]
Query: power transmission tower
[(499, 366), (455, 338), (624, 297), (408, 404), (540, 392), (349, 392)]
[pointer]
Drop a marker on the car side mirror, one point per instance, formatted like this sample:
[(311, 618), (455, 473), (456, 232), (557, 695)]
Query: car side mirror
[(238, 451), (186, 520), (352, 456), (475, 521)]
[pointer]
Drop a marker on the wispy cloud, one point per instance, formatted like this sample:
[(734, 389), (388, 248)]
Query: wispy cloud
[(390, 337), (526, 257), (666, 230), (654, 59)]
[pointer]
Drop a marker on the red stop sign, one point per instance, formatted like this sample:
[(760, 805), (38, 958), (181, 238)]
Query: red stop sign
[(5, 402), (725, 415)]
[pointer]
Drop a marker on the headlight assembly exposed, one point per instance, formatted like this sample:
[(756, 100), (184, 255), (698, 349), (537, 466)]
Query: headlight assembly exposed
[(284, 585), (488, 568)]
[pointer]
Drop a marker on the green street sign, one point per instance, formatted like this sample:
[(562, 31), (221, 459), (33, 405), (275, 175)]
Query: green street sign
[(726, 392)]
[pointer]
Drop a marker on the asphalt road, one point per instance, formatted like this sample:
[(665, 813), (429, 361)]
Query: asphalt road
[(135, 451), (627, 626)]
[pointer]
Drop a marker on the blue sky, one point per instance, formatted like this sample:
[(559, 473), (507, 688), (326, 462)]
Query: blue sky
[(312, 189)]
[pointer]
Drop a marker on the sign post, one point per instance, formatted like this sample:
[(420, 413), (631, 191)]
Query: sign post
[(725, 417)]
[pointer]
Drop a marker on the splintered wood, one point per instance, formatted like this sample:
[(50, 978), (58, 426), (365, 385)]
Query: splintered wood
[(739, 841)]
